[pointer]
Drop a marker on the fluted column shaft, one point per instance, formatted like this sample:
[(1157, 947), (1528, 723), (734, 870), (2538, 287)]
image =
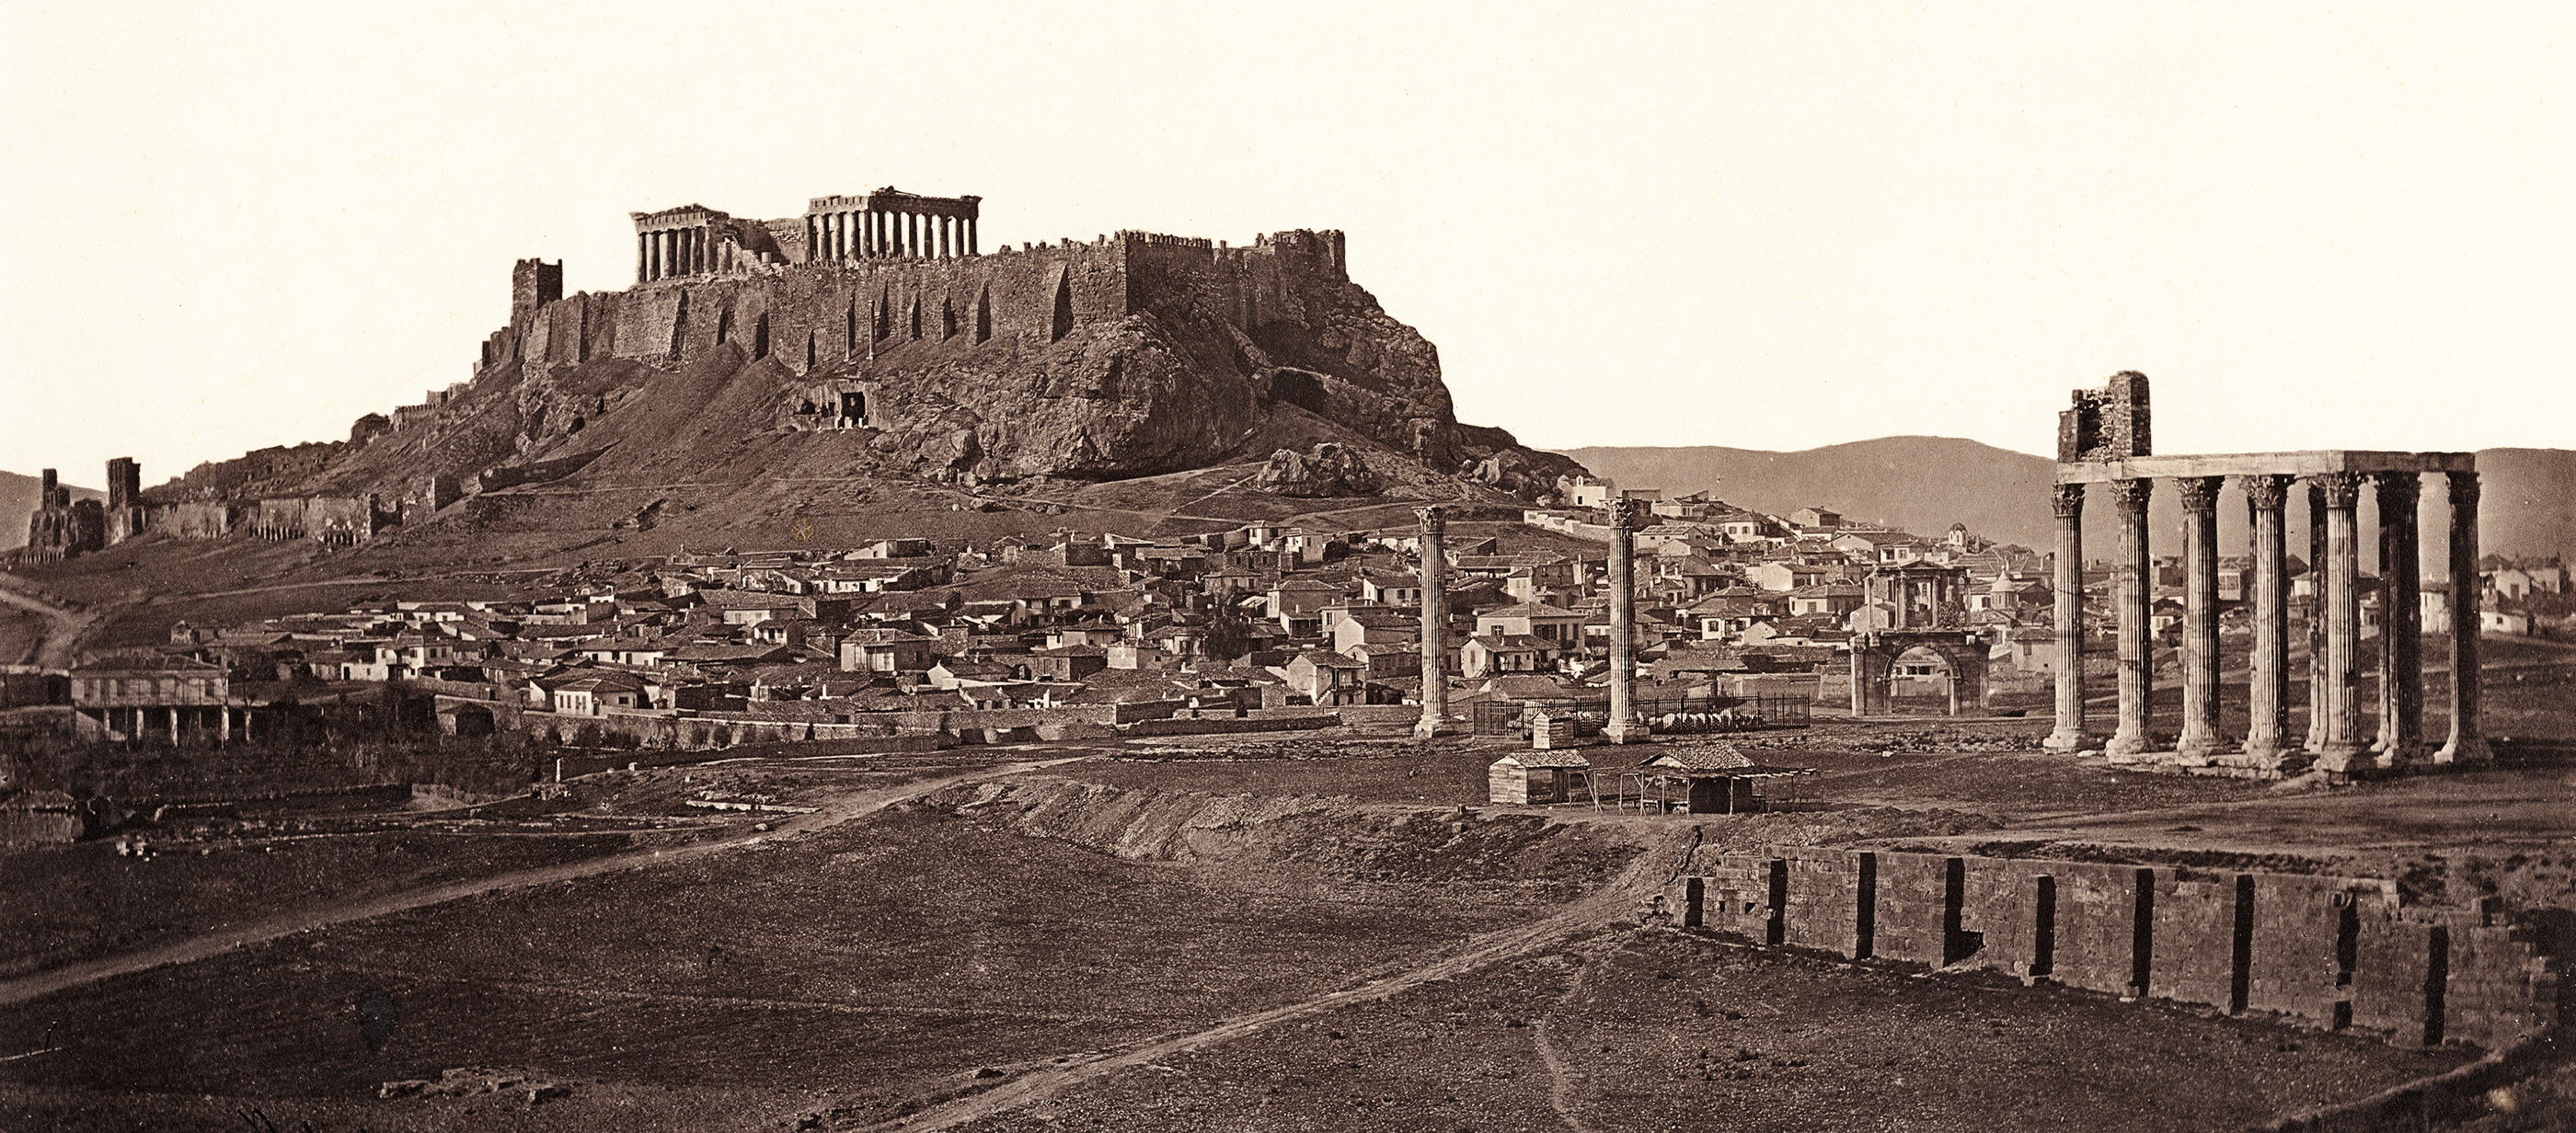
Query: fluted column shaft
[(2268, 593), (2342, 733), (2067, 503), (2467, 744), (643, 258), (1623, 726), (2316, 737), (1435, 624), (2132, 604), (2201, 738), (2401, 620), (972, 248)]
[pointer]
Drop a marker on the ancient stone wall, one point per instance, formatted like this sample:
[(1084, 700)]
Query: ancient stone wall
[(344, 520), (2320, 951)]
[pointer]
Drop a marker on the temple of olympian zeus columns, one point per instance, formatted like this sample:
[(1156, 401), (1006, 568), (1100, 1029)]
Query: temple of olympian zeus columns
[(1623, 725), (2103, 439)]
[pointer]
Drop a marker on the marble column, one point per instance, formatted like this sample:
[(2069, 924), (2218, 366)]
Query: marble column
[(2341, 741), (2316, 737), (1435, 626), (1624, 727), (940, 225), (2267, 593), (971, 248), (2466, 744), (2132, 603), (223, 723), (2067, 504), (2201, 739), (2401, 621), (912, 234), (643, 258)]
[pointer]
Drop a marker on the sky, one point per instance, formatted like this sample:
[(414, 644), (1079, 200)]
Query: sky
[(1752, 225)]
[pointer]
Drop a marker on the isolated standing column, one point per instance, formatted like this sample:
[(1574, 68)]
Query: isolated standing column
[(2137, 641), (2200, 736), (1623, 726), (2268, 591), (2067, 503), (1435, 625)]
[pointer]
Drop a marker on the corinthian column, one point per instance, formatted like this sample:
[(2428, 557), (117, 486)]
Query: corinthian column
[(2467, 744), (2401, 621), (2067, 504), (2268, 591), (2200, 736), (1624, 727), (2137, 642), (2316, 738), (2342, 738), (1435, 626)]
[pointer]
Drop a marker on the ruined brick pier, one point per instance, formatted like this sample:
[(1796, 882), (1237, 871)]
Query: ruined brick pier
[(2104, 439)]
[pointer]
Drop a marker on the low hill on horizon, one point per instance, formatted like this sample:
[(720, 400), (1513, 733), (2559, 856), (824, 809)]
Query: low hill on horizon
[(1924, 484)]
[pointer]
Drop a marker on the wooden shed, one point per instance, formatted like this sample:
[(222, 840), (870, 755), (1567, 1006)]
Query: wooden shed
[(1706, 779), (1539, 777)]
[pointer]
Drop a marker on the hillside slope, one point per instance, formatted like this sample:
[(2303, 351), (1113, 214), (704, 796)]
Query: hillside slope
[(1924, 484)]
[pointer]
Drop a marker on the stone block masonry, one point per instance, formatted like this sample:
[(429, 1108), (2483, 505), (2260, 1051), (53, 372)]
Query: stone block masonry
[(2323, 952)]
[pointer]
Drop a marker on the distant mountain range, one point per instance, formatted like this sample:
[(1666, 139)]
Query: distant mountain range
[(1924, 484), (18, 500)]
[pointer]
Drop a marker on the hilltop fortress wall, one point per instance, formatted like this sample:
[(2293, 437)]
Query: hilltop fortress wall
[(1128, 355), (817, 317)]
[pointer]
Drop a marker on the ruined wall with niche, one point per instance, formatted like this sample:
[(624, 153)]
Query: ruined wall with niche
[(2323, 952)]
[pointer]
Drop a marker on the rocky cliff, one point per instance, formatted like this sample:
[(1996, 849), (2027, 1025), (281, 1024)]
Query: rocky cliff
[(1134, 355)]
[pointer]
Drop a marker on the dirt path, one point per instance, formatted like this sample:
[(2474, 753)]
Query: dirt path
[(55, 649), (1584, 915), (28, 987), (1560, 1080)]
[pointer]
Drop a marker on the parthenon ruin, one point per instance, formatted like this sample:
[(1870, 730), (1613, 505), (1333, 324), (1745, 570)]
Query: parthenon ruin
[(888, 223), (2104, 439)]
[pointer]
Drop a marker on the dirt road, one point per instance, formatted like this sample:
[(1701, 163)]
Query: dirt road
[(1582, 916), (55, 650), (199, 948)]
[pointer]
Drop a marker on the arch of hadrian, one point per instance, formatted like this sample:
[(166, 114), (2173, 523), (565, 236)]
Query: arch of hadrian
[(2104, 440)]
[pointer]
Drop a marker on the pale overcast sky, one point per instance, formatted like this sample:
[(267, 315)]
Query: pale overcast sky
[(1756, 225)]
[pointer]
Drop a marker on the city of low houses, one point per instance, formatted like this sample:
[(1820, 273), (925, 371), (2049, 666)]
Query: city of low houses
[(1077, 635)]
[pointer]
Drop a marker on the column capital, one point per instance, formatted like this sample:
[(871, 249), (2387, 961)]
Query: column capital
[(2464, 488), (2398, 489), (2266, 493), (2200, 493), (2342, 489), (1624, 513), (2066, 501), (1434, 519), (2132, 495)]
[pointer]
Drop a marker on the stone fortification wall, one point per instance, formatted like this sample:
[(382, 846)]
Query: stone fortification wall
[(2323, 952)]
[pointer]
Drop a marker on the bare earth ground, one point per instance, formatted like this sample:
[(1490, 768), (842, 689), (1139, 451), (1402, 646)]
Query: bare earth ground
[(914, 951)]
